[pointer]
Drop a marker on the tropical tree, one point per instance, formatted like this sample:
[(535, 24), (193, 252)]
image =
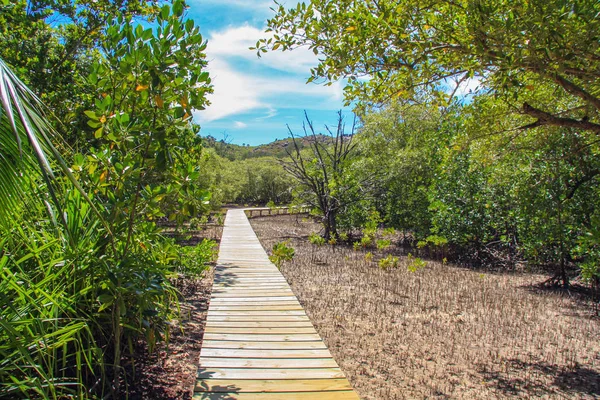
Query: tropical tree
[(389, 49), (51, 45), (84, 279)]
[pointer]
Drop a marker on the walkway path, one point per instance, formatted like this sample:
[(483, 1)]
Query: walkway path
[(258, 342)]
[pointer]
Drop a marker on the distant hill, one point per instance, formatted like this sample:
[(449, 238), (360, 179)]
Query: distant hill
[(275, 149)]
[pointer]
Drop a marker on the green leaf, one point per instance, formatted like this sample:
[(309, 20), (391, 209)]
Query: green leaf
[(91, 115)]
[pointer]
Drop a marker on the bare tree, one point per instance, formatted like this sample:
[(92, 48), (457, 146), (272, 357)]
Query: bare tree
[(321, 171)]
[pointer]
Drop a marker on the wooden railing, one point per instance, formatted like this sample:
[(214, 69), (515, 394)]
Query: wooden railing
[(265, 211)]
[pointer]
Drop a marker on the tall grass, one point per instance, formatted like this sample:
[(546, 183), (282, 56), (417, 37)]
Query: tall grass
[(46, 343)]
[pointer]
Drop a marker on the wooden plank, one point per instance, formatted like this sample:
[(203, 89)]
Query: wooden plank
[(236, 362), (260, 293), (262, 318), (261, 386), (291, 302), (255, 313), (240, 292), (265, 353), (250, 273), (268, 286), (260, 324), (252, 288), (258, 342), (302, 337), (253, 331), (331, 395), (223, 344), (256, 298), (215, 307), (266, 298), (236, 280), (269, 373)]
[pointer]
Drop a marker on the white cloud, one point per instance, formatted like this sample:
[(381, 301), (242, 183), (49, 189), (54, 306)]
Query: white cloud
[(469, 86), (236, 91), (240, 125), (236, 41), (233, 93), (465, 88), (238, 3), (271, 112)]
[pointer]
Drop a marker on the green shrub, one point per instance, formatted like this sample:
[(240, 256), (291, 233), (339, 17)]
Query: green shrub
[(281, 252), (316, 239), (383, 244), (415, 263), (193, 260), (366, 241), (432, 240), (388, 262), (389, 232)]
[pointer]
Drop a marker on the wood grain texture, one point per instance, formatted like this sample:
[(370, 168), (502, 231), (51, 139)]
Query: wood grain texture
[(217, 362), (271, 385), (336, 395), (267, 349), (258, 342)]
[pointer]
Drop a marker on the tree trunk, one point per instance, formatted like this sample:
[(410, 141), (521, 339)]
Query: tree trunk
[(330, 224)]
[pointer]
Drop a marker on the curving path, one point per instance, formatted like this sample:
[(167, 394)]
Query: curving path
[(258, 342)]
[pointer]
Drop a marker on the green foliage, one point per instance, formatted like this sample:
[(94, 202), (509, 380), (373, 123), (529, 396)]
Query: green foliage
[(389, 231), (369, 257), (372, 223), (193, 260), (93, 271), (46, 339), (383, 244), (588, 249), (388, 262), (257, 180), (366, 241), (415, 264), (316, 239), (51, 46), (514, 48), (432, 240), (220, 218), (281, 252)]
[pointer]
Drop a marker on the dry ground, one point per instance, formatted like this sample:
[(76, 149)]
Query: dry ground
[(442, 332)]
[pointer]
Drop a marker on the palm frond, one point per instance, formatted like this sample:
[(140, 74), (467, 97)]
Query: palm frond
[(26, 140)]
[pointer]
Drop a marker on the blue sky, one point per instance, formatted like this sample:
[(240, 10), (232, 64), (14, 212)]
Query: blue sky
[(254, 98)]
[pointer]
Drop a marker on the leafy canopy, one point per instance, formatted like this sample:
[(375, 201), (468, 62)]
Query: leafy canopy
[(388, 49)]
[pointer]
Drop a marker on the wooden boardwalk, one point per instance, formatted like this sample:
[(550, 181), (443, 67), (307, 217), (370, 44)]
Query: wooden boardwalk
[(258, 342)]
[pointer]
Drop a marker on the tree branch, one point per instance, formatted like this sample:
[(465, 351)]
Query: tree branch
[(577, 91), (546, 119)]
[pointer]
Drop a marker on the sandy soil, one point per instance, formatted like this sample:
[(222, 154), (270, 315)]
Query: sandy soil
[(441, 332)]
